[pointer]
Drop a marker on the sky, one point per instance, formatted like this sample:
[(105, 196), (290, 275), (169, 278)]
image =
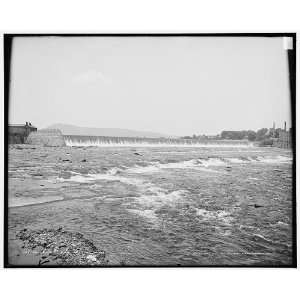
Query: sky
[(171, 85)]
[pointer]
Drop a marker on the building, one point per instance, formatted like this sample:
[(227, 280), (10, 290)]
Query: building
[(18, 133), (284, 139)]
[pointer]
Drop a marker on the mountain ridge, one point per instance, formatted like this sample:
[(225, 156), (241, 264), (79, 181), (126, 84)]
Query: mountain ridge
[(68, 129)]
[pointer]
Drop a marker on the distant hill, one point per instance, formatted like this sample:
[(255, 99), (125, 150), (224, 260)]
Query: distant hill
[(76, 130)]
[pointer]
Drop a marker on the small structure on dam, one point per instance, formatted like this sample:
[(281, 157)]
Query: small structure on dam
[(46, 137), (18, 133)]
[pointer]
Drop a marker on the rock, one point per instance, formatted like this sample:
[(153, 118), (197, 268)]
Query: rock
[(101, 255), (257, 205), (84, 160), (41, 262), (136, 153), (91, 258), (67, 248)]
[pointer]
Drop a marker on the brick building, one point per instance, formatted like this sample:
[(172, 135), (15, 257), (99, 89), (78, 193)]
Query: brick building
[(18, 133)]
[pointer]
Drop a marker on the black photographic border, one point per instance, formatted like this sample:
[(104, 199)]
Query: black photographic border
[(291, 56)]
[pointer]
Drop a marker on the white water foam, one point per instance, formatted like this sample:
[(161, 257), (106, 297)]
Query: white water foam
[(152, 197), (109, 176), (279, 223), (219, 215), (161, 197), (205, 164), (275, 160), (195, 164), (279, 159), (143, 143), (151, 194), (236, 160), (212, 162), (262, 237)]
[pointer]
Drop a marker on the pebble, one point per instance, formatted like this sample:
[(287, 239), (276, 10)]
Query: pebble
[(92, 258)]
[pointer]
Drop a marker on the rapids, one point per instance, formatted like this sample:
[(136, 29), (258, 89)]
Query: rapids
[(161, 205)]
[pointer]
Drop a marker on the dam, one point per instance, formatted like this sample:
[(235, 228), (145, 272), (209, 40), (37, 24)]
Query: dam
[(106, 141)]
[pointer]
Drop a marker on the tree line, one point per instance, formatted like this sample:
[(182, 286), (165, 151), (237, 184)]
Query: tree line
[(251, 135), (260, 135)]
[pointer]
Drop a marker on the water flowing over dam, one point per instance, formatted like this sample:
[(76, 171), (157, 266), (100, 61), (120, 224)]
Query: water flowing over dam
[(105, 141)]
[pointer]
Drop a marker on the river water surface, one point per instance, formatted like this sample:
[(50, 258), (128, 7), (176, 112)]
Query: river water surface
[(160, 205)]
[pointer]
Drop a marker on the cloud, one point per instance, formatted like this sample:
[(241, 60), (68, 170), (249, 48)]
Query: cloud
[(92, 76)]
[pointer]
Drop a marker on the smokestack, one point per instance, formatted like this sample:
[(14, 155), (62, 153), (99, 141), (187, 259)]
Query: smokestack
[(284, 126)]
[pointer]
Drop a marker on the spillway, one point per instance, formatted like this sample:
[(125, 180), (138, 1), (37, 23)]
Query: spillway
[(105, 141)]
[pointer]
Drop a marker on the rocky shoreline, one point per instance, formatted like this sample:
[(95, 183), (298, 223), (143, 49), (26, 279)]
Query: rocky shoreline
[(60, 247)]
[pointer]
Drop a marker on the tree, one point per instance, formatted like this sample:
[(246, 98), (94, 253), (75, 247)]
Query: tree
[(261, 134), (233, 135), (251, 135), (277, 130)]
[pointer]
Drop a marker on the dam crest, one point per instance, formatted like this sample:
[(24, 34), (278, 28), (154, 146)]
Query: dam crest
[(104, 141)]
